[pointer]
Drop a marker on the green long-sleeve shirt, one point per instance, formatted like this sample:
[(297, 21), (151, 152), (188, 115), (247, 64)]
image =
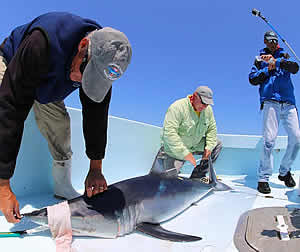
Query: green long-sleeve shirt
[(184, 131)]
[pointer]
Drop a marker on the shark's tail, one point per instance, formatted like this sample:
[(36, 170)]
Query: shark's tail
[(218, 186)]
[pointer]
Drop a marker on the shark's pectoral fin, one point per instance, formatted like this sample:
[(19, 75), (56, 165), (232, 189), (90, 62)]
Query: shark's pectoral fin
[(157, 231)]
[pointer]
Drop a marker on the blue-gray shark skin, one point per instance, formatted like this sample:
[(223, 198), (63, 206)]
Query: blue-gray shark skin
[(140, 203)]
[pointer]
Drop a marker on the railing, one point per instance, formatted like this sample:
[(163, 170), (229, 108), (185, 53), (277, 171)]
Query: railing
[(130, 151)]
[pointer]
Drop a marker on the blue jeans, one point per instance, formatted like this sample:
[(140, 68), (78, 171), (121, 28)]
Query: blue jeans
[(273, 113)]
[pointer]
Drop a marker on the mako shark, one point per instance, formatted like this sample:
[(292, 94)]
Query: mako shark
[(139, 203)]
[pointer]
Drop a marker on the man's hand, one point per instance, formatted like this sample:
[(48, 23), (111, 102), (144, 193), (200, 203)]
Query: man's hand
[(95, 182), (9, 205), (272, 65), (269, 59), (206, 154), (189, 157)]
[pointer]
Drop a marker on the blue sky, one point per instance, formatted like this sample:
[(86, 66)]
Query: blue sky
[(177, 46)]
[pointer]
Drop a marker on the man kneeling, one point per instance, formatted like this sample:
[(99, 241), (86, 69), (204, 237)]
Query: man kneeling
[(189, 129)]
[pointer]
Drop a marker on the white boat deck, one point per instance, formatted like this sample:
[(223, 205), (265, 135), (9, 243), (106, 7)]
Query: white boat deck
[(214, 218)]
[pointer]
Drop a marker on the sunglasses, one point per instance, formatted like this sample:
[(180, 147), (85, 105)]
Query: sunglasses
[(201, 99), (84, 62), (274, 41)]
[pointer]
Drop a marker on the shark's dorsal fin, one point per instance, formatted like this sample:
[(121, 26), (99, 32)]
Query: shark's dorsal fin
[(219, 186), (157, 231)]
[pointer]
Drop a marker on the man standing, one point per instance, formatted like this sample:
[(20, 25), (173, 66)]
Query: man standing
[(189, 129), (271, 71), (41, 63)]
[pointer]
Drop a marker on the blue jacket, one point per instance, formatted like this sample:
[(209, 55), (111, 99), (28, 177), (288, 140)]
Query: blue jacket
[(64, 32), (276, 84)]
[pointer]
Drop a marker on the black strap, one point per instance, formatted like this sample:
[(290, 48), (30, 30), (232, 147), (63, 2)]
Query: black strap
[(262, 106)]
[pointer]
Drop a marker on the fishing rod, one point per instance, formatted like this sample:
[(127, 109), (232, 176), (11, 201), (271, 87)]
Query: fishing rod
[(257, 13)]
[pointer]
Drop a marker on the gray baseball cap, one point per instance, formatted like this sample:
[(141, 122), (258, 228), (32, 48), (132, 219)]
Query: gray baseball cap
[(206, 94), (270, 35), (109, 53)]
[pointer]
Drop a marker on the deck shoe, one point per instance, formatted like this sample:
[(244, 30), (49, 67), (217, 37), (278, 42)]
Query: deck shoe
[(263, 187), (288, 180)]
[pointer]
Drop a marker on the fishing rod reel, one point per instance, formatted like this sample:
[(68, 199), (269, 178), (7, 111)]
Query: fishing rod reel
[(257, 13)]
